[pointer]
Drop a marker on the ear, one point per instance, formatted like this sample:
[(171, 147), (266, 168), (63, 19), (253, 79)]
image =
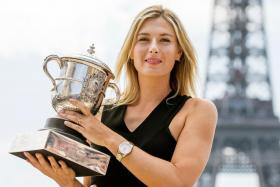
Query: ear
[(131, 56)]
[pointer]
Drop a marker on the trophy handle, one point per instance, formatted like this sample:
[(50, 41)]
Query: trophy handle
[(45, 67), (117, 92)]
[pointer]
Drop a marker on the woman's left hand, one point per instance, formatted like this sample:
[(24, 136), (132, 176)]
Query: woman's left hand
[(86, 123), (58, 171)]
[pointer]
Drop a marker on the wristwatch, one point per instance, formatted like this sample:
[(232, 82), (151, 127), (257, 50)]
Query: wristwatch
[(124, 149)]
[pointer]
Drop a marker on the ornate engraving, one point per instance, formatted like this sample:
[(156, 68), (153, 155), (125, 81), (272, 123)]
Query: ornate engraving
[(93, 86)]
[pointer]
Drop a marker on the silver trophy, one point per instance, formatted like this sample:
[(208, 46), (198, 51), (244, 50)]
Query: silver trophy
[(85, 78)]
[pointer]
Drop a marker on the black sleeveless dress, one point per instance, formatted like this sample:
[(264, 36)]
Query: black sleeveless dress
[(152, 136)]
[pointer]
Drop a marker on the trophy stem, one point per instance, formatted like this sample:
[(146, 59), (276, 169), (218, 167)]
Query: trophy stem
[(57, 125)]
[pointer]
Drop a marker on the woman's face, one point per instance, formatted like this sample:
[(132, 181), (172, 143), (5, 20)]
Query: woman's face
[(156, 48)]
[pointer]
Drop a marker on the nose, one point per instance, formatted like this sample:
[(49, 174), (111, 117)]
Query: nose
[(153, 47)]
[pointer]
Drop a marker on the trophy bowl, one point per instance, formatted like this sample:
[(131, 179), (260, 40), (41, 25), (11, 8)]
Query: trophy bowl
[(82, 77)]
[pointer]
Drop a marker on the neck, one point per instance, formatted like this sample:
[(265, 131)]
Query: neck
[(153, 89)]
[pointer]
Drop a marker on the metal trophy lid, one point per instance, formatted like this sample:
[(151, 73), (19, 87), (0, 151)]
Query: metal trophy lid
[(91, 60)]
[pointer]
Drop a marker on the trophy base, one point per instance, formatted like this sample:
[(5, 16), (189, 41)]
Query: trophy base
[(57, 125), (84, 160)]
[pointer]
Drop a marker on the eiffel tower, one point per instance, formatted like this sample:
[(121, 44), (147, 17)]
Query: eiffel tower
[(247, 138)]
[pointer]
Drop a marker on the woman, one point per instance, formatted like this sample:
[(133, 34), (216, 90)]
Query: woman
[(157, 134)]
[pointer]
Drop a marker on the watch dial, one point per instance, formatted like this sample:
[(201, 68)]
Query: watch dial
[(125, 148)]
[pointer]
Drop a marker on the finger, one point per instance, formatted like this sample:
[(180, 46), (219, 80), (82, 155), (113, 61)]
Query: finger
[(32, 160), (53, 163), (63, 165), (72, 113), (74, 126), (28, 156), (72, 116), (84, 109), (43, 161), (66, 169), (75, 118)]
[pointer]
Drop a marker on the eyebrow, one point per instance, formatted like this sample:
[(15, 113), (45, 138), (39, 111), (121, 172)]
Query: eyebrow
[(147, 34)]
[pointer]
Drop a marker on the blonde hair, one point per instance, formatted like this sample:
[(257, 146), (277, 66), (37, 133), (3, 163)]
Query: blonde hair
[(182, 79)]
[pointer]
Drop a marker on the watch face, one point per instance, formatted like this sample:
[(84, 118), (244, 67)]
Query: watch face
[(125, 147)]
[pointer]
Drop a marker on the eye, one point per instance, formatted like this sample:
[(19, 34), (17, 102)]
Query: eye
[(143, 39), (165, 40)]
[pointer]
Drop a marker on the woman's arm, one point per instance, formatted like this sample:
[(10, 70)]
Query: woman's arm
[(190, 156)]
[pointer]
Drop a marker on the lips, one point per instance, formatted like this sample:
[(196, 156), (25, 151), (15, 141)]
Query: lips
[(153, 60)]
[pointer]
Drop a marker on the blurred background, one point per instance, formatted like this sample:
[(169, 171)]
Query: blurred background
[(240, 77)]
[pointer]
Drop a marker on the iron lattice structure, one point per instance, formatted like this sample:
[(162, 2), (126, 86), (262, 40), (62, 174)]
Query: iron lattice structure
[(248, 133)]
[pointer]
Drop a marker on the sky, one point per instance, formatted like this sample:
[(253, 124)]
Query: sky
[(32, 29)]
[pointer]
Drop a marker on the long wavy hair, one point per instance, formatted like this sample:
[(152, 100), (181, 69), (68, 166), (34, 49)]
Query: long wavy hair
[(182, 78)]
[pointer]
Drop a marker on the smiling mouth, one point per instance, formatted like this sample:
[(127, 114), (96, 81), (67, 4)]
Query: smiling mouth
[(153, 61)]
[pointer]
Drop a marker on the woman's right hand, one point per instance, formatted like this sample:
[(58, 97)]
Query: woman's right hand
[(58, 171)]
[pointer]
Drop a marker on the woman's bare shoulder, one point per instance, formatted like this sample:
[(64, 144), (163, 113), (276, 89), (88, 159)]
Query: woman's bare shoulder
[(199, 104), (200, 112)]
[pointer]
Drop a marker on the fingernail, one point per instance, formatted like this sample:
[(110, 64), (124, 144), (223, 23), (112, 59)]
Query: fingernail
[(38, 155), (61, 114)]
